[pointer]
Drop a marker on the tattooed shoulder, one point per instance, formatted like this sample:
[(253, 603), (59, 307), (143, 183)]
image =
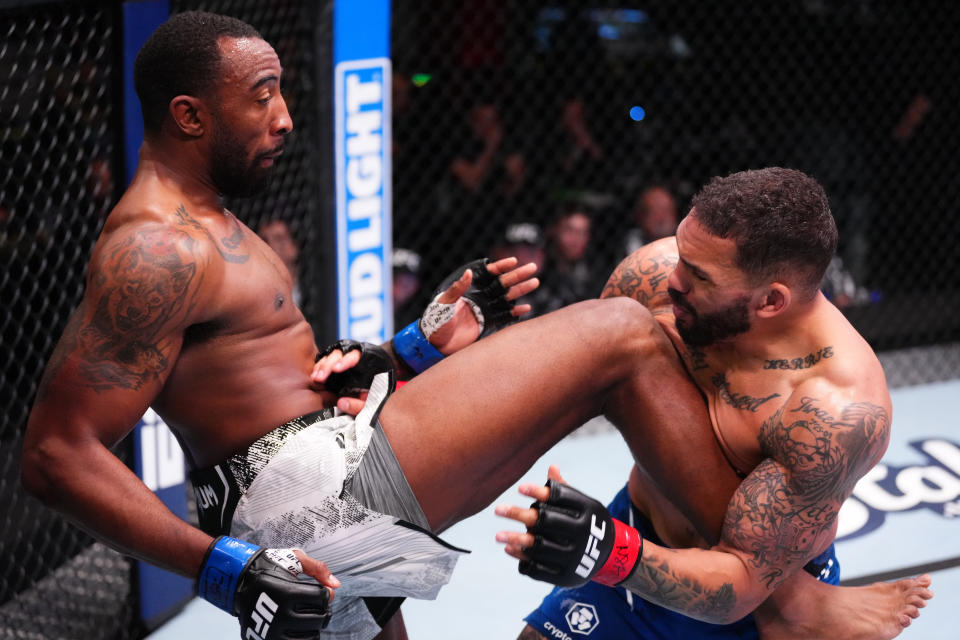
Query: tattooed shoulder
[(643, 276), (145, 286), (838, 437)]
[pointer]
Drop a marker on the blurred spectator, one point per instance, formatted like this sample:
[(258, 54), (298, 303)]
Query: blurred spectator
[(525, 242), (474, 166), (570, 275), (581, 156), (655, 215), (276, 233), (485, 175), (840, 287), (408, 297)]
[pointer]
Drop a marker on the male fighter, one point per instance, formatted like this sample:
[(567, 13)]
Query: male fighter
[(798, 405), (188, 311)]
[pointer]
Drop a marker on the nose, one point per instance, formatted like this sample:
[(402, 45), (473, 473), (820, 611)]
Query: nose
[(282, 123), (676, 280)]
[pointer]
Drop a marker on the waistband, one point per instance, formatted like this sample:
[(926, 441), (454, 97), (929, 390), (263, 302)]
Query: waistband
[(219, 488)]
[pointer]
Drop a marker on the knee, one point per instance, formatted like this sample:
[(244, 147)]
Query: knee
[(625, 329)]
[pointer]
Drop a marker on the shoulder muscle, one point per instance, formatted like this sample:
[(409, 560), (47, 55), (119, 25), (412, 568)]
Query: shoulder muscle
[(643, 274)]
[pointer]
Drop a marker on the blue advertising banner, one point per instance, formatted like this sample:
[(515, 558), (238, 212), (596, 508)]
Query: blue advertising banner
[(363, 170)]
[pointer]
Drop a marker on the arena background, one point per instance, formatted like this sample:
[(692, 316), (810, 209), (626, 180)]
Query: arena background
[(596, 101)]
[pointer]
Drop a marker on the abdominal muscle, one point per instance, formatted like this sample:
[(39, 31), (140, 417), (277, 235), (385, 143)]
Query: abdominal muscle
[(227, 391), (673, 528)]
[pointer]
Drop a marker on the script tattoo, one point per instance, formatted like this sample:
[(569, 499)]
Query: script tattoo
[(800, 363), (788, 505), (144, 284), (698, 359), (231, 242), (659, 583), (738, 400)]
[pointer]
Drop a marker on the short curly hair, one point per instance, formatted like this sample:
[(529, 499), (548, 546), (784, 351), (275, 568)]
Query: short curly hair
[(779, 219), (182, 57)]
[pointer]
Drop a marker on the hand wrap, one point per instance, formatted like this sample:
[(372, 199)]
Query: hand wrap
[(261, 588), (373, 360), (576, 540), (486, 297)]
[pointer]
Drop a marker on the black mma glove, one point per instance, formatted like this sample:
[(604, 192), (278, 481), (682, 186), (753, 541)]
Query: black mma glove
[(373, 360), (576, 540), (261, 588), (486, 297)]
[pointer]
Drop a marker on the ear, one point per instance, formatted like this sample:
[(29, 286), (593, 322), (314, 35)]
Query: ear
[(776, 299), (188, 114)]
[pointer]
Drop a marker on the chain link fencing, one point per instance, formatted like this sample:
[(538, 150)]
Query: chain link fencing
[(518, 111), (508, 115), (61, 171)]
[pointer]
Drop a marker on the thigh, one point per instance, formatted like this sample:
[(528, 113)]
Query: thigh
[(470, 426)]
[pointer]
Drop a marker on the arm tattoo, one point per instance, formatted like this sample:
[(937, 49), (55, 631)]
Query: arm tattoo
[(800, 363), (660, 584), (230, 243), (144, 285), (784, 508)]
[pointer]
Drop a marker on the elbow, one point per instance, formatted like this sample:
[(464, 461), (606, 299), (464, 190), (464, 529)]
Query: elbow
[(38, 464)]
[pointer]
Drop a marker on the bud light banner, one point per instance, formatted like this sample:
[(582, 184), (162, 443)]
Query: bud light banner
[(363, 172)]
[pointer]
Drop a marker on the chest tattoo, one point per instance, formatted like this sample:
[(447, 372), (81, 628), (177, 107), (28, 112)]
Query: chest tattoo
[(739, 401), (800, 363), (228, 247)]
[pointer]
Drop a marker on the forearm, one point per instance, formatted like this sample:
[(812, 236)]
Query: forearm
[(403, 370), (97, 492), (710, 585)]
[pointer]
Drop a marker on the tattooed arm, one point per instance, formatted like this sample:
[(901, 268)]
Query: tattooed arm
[(817, 445), (145, 286)]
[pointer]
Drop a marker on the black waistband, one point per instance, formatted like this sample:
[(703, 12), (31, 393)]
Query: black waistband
[(219, 488)]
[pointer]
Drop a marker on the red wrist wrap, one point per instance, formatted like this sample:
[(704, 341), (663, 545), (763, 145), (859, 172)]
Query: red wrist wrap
[(627, 547)]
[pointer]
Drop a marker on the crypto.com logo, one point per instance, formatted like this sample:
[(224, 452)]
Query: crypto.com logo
[(582, 618)]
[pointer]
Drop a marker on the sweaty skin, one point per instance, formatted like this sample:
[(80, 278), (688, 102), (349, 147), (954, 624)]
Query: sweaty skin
[(187, 310), (800, 415)]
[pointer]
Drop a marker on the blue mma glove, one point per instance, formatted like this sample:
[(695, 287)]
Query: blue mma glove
[(261, 588), (373, 360)]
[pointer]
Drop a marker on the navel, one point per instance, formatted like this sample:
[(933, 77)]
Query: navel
[(278, 301)]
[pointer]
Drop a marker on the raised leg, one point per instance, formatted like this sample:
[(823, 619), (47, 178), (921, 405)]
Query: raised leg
[(470, 426)]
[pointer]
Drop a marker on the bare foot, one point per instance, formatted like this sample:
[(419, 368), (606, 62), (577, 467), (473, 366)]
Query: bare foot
[(806, 608)]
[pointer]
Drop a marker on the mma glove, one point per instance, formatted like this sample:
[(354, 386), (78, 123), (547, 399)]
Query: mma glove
[(373, 360), (486, 297), (261, 588), (576, 540)]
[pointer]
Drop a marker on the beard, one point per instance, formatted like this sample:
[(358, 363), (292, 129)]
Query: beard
[(232, 175), (702, 330)]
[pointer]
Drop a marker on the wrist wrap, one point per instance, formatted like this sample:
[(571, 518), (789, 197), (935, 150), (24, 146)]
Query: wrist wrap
[(624, 557), (413, 347), (225, 560)]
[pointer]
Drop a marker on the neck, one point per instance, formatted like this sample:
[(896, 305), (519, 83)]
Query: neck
[(182, 168), (795, 330)]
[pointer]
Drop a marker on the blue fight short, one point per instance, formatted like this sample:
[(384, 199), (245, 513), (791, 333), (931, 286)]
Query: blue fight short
[(599, 612)]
